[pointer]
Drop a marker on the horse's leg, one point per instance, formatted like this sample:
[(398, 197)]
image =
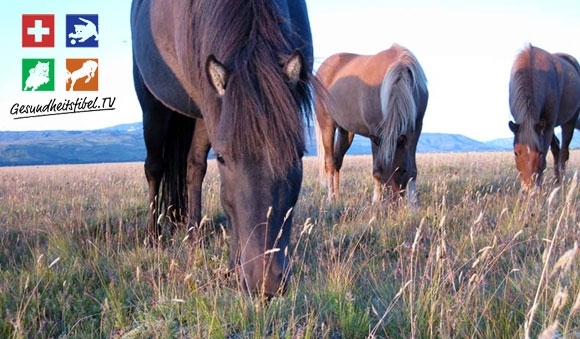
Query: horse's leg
[(343, 142), (72, 84), (91, 76), (156, 119), (567, 133), (196, 169), (412, 198), (411, 192), (327, 132), (555, 148), (154, 133), (378, 190)]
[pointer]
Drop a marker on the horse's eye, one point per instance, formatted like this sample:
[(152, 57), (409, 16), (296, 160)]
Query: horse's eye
[(402, 141), (516, 154), (220, 158)]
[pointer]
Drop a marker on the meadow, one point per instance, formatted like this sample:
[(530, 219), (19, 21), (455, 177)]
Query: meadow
[(475, 259)]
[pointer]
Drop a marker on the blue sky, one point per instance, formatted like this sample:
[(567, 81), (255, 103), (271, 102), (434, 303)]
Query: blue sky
[(466, 49)]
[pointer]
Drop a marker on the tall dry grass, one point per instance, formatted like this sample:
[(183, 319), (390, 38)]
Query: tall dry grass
[(475, 260)]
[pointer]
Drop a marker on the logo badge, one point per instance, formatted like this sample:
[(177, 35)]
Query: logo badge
[(37, 30), (82, 30), (82, 74), (38, 75)]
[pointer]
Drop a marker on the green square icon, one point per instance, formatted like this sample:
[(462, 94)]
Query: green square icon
[(37, 75)]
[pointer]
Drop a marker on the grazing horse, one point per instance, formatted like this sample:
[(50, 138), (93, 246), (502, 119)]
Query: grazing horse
[(382, 97), (235, 76), (544, 92)]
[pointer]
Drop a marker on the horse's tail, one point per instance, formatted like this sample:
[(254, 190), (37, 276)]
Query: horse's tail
[(320, 104), (397, 102), (175, 151)]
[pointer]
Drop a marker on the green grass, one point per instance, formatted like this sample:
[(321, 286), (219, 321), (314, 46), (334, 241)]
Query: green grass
[(475, 260)]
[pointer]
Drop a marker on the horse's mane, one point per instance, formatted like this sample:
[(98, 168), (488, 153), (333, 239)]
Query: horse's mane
[(522, 104), (248, 38), (397, 101)]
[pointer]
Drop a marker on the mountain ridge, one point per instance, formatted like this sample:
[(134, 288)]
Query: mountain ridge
[(124, 143)]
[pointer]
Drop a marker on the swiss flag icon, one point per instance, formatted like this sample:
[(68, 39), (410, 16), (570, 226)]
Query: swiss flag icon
[(37, 30)]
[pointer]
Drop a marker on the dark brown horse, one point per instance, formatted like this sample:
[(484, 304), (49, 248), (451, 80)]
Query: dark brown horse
[(233, 75), (382, 97), (544, 92)]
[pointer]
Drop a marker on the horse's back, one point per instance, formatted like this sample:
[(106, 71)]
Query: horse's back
[(370, 69), (570, 84), (164, 52), (333, 67), (352, 91), (532, 58), (160, 79)]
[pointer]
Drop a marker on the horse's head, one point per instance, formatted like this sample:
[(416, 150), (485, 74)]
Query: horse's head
[(395, 173), (530, 156), (257, 134)]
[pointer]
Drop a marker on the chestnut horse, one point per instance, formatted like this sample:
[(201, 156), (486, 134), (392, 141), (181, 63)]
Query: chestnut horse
[(382, 97), (235, 76), (544, 92)]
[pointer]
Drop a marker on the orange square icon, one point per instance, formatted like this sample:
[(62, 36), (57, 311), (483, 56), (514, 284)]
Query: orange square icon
[(82, 74)]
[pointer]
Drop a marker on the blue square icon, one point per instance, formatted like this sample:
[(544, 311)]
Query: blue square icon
[(82, 30)]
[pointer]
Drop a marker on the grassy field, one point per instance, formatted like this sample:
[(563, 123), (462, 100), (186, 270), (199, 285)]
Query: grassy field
[(475, 260)]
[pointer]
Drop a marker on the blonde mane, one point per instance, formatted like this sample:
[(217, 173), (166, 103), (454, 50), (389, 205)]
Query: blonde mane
[(397, 102)]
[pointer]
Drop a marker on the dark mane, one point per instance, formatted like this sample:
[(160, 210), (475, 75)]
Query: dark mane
[(522, 97), (248, 37)]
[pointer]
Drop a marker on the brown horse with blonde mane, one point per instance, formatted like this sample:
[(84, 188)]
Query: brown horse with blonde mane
[(382, 97), (544, 92), (235, 76)]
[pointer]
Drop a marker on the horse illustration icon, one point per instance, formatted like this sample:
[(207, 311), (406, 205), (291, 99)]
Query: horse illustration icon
[(84, 32), (87, 70), (38, 76)]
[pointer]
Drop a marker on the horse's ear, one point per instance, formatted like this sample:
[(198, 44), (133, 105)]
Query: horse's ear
[(514, 127), (217, 74), (294, 67)]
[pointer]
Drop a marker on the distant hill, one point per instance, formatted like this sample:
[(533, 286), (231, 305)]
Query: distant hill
[(428, 143), (124, 143)]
